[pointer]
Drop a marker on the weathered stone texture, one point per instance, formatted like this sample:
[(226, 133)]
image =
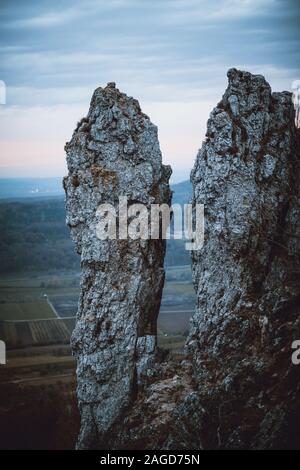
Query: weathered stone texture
[(113, 152), (247, 276), (237, 387)]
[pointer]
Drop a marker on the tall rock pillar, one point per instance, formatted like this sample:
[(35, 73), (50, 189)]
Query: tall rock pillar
[(247, 276), (114, 152)]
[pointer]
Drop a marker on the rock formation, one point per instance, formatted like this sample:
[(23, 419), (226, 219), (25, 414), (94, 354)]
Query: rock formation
[(247, 276), (237, 386), (113, 152)]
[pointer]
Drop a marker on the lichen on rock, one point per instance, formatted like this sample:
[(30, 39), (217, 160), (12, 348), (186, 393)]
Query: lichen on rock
[(113, 152)]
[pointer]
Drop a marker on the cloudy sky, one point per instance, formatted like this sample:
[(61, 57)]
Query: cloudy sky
[(172, 55)]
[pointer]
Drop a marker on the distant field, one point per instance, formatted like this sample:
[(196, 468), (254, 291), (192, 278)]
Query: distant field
[(22, 294), (25, 310), (173, 343), (22, 298), (32, 294), (179, 288), (22, 334), (28, 361), (38, 279), (176, 322)]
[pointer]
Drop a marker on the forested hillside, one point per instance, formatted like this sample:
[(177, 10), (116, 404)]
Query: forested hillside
[(34, 236)]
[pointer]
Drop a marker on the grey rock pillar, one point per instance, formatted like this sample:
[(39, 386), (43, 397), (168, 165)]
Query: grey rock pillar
[(246, 276), (113, 152)]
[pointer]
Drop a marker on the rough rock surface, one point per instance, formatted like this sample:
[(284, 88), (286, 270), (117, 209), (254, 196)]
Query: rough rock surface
[(113, 152), (162, 417), (237, 386), (247, 276)]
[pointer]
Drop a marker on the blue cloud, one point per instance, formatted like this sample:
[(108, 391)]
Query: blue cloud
[(172, 55), (82, 43)]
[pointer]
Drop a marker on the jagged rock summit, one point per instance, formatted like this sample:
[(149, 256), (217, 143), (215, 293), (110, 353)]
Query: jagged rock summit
[(113, 152)]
